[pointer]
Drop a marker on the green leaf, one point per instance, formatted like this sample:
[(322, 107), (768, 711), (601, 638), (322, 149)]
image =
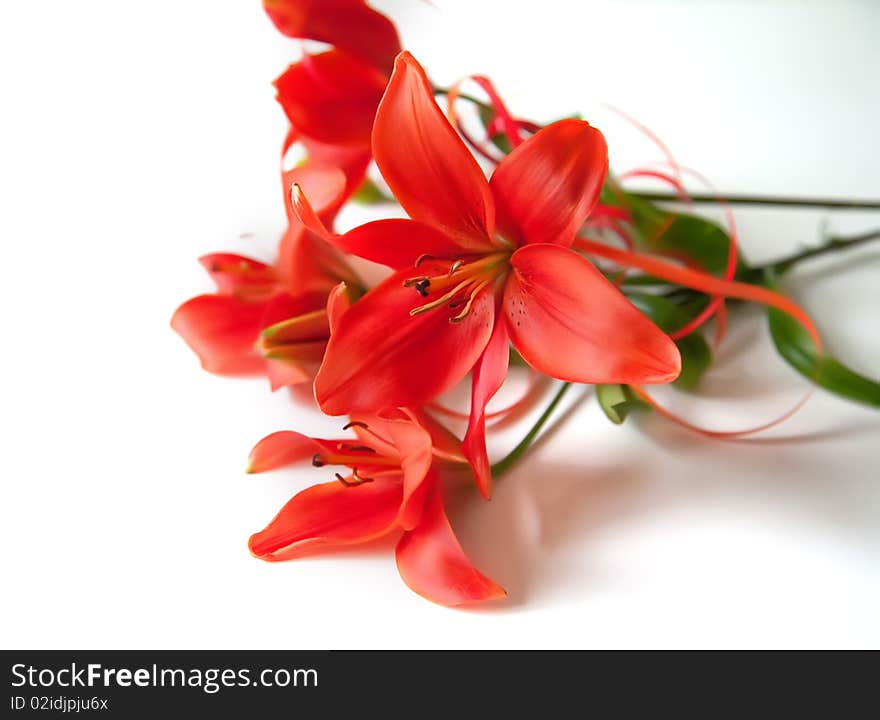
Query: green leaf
[(617, 401), (499, 140), (793, 343), (674, 234), (696, 355), (370, 194), (680, 235)]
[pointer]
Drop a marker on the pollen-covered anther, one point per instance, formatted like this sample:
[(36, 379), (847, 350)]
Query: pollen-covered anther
[(344, 481), (355, 423), (357, 479), (422, 284), (360, 480)]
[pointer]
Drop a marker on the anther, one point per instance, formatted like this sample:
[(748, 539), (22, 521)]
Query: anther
[(344, 481), (317, 461), (355, 423), (424, 256), (441, 300), (361, 480), (420, 283), (358, 479), (455, 266)]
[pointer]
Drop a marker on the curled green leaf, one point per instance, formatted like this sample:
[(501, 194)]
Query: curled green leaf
[(795, 346), (617, 401)]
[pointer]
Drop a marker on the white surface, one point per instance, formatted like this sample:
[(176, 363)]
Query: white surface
[(135, 140)]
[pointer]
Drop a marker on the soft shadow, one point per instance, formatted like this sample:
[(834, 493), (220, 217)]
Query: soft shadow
[(536, 513), (531, 516)]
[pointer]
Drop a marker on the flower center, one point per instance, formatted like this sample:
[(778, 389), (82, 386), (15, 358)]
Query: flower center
[(459, 285), (359, 458)]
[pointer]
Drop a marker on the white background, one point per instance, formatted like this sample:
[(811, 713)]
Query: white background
[(135, 138)]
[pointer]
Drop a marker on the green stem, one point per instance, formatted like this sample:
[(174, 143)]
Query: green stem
[(503, 465), (842, 204), (755, 275), (833, 244)]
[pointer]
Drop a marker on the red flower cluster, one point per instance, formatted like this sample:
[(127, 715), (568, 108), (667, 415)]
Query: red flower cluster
[(480, 265)]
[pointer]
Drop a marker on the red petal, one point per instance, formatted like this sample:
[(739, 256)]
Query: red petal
[(331, 97), (414, 445), (222, 330), (372, 430), (329, 515), (380, 357), (348, 24), (426, 164), (352, 160), (489, 374), (294, 337), (308, 264), (433, 564), (338, 301), (444, 444), (398, 243), (284, 306), (285, 373), (325, 187), (546, 188), (282, 448), (569, 322), (239, 275)]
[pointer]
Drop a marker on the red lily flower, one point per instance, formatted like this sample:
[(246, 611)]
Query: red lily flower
[(331, 98), (350, 25), (392, 484), (495, 266), (288, 302)]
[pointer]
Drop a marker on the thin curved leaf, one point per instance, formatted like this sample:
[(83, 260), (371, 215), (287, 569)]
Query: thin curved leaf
[(794, 345)]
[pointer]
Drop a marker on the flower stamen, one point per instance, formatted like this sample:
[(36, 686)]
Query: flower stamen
[(351, 459), (349, 447), (467, 308), (357, 479), (459, 285), (443, 299)]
